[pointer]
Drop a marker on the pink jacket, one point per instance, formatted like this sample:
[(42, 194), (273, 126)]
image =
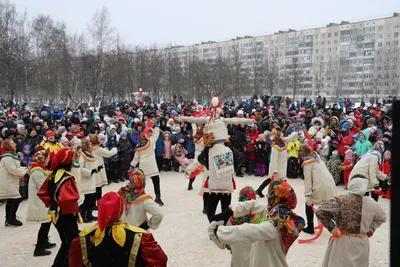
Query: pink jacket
[(167, 150)]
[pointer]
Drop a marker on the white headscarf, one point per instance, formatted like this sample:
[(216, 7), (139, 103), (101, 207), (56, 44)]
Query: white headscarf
[(374, 153)]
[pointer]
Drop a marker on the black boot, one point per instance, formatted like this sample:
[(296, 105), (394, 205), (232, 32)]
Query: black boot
[(40, 251), (49, 245), (262, 187), (204, 209), (156, 184), (310, 221), (205, 202), (190, 186), (12, 221)]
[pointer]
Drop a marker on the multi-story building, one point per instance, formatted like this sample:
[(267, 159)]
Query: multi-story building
[(348, 59)]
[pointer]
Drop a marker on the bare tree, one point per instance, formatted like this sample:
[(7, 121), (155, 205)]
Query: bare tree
[(295, 74), (272, 72), (318, 74), (336, 71), (239, 71)]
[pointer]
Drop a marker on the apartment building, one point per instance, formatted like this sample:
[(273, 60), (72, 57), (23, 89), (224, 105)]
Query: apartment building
[(348, 59)]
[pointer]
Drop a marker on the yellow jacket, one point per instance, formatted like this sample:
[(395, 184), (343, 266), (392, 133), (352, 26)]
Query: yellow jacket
[(293, 149)]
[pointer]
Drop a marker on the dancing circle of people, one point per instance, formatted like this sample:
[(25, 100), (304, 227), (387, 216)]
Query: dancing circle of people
[(62, 179)]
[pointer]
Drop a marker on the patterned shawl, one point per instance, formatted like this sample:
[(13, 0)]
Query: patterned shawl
[(134, 192), (282, 199), (247, 193)]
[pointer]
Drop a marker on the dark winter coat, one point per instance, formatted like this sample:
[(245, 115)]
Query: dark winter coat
[(125, 150), (261, 151)]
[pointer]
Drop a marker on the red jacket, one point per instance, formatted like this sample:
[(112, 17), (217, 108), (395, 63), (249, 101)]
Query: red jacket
[(346, 141), (386, 167), (354, 131), (251, 151)]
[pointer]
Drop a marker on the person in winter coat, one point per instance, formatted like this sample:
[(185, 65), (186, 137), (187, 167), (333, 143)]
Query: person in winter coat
[(344, 139), (333, 166), (347, 166), (138, 204), (317, 126), (363, 145), (386, 165), (387, 141), (323, 150), (113, 161), (160, 151), (189, 145), (251, 155), (138, 129), (178, 136), (32, 138), (125, 155), (11, 174), (271, 239), (180, 155), (37, 211), (261, 155), (352, 220), (293, 154), (146, 160), (319, 185), (167, 155), (239, 142)]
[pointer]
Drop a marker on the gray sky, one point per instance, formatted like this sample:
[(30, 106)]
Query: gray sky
[(187, 22)]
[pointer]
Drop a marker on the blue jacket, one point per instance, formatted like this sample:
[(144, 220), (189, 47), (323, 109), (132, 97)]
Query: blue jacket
[(135, 140), (159, 147), (57, 115)]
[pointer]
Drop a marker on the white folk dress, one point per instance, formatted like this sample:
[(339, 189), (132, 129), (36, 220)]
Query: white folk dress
[(37, 211), (11, 173), (137, 214), (146, 157), (99, 153)]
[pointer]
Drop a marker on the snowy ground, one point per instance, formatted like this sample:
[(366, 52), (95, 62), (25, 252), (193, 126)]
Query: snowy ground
[(183, 232)]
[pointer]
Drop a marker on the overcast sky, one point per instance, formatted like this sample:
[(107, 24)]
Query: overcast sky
[(187, 22)]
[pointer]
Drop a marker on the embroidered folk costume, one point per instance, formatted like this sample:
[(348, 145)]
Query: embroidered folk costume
[(113, 243), (138, 204)]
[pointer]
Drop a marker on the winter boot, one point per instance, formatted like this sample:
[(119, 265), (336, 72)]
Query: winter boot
[(310, 221), (190, 186), (262, 187), (40, 251), (157, 191), (49, 245), (12, 221)]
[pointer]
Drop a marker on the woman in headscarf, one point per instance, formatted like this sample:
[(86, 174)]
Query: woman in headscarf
[(279, 157), (241, 251), (37, 211), (368, 168), (60, 194), (272, 238), (11, 173), (113, 243), (351, 219), (319, 184), (138, 204)]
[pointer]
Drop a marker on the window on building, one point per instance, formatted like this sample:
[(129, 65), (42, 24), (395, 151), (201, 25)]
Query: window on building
[(396, 34), (329, 42), (329, 35), (329, 49), (396, 43), (388, 43), (388, 35), (380, 28), (397, 26), (380, 44), (336, 34), (335, 41), (322, 42), (388, 27), (323, 35), (316, 51)]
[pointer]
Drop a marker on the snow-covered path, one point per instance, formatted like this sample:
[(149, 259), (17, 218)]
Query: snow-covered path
[(183, 232)]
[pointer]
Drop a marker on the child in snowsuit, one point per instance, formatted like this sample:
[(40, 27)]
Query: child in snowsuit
[(347, 166), (189, 145), (261, 155), (293, 161), (333, 166), (251, 156), (167, 152), (323, 150), (180, 156), (26, 160), (125, 155), (113, 161)]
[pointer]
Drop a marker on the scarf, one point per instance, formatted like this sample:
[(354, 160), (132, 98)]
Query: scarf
[(281, 202), (247, 193), (134, 192)]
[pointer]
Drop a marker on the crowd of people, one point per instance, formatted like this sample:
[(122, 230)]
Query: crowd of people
[(59, 159)]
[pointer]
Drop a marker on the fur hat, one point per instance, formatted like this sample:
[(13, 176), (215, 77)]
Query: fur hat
[(379, 146), (317, 119)]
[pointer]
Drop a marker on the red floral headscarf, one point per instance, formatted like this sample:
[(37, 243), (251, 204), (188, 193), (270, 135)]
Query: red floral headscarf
[(282, 199), (6, 147)]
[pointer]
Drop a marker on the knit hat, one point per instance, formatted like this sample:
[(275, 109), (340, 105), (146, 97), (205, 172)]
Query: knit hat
[(379, 146), (371, 121), (348, 155), (122, 134), (112, 127), (388, 135)]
